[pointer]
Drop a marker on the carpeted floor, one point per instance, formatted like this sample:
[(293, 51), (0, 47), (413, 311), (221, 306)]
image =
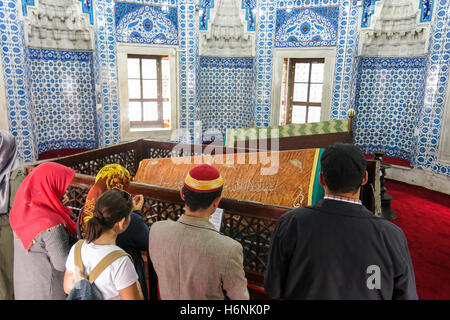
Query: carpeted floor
[(424, 217)]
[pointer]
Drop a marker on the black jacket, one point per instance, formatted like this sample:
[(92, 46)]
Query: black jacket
[(338, 250)]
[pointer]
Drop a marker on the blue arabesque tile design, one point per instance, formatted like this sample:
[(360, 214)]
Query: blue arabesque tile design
[(307, 27), (150, 24)]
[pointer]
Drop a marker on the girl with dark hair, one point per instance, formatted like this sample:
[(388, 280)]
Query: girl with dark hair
[(111, 217), (135, 239)]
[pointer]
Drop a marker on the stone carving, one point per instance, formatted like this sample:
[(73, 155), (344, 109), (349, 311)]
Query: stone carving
[(226, 35), (58, 24), (396, 30)]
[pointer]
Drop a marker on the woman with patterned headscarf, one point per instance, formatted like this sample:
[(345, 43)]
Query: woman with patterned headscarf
[(135, 238), (109, 177), (11, 176)]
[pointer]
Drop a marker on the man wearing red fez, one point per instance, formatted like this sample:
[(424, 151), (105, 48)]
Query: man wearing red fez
[(191, 259)]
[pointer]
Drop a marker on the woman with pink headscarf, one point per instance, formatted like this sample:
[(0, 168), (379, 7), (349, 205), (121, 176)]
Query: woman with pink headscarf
[(43, 229)]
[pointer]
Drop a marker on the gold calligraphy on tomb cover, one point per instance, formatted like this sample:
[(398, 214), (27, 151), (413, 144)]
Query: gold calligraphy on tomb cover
[(283, 178)]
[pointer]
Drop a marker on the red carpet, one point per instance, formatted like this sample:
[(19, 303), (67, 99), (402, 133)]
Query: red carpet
[(424, 217), (392, 160)]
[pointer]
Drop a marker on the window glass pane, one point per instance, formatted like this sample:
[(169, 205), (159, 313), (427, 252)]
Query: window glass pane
[(166, 110), (315, 94), (301, 72), (314, 114), (149, 69), (133, 68), (150, 111), (298, 114), (134, 111), (300, 92), (317, 72), (134, 89), (150, 89)]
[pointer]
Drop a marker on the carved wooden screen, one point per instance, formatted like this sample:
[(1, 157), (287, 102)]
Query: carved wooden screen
[(92, 167)]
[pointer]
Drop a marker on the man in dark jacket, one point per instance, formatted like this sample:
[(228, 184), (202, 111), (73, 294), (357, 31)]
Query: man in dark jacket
[(337, 249)]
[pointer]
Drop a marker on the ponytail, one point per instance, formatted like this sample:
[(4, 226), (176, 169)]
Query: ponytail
[(111, 207)]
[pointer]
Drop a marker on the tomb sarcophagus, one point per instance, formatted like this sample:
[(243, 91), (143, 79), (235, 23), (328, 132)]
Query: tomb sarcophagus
[(285, 178), (249, 214)]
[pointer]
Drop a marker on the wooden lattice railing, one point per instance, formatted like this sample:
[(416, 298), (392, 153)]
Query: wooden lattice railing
[(248, 222)]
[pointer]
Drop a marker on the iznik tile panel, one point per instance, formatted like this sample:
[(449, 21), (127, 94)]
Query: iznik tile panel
[(309, 27), (226, 91), (16, 81), (389, 98), (62, 96), (150, 24), (431, 117)]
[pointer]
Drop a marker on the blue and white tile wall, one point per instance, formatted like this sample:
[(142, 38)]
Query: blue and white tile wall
[(389, 97), (62, 98), (339, 17), (226, 93), (404, 117), (431, 116), (15, 77)]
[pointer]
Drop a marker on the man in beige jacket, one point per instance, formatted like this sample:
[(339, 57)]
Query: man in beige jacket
[(191, 259)]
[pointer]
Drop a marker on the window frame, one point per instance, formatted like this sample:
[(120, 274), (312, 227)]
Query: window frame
[(279, 54), (159, 98), (291, 83), (126, 131)]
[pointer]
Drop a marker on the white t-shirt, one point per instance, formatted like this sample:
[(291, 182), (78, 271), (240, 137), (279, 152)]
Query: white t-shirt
[(117, 276)]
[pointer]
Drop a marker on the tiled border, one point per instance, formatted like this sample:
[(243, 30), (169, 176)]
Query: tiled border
[(345, 58), (106, 73), (189, 39)]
